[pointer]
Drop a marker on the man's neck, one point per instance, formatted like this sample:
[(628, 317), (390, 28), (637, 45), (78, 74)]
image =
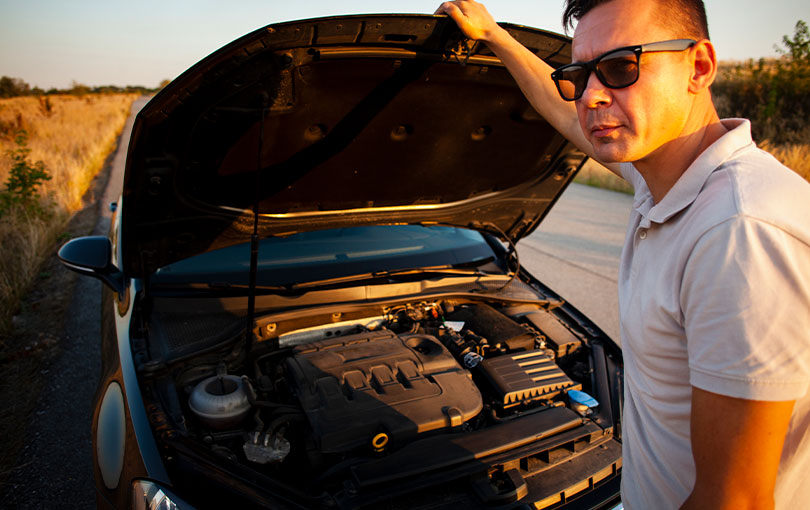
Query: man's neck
[(663, 167)]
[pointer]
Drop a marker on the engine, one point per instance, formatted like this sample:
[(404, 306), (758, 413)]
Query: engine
[(312, 399), (377, 386)]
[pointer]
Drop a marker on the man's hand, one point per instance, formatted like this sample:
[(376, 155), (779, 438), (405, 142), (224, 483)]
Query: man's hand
[(737, 445), (472, 18)]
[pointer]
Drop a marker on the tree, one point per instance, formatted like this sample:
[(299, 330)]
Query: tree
[(798, 48), (12, 87), (78, 89)]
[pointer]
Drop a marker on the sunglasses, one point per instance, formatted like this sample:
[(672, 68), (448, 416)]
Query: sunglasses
[(616, 69)]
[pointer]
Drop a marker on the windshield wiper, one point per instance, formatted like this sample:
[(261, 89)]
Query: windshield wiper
[(448, 270), (211, 288)]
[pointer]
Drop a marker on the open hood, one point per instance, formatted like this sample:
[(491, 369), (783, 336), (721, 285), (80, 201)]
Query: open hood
[(335, 122)]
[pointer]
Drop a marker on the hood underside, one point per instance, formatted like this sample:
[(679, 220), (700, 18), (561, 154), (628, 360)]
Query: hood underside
[(336, 122)]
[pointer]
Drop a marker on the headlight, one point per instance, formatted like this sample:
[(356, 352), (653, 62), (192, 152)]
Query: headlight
[(150, 496)]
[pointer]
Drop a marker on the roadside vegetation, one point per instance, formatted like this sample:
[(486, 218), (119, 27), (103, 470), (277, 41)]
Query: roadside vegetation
[(773, 93), (51, 147), (16, 87)]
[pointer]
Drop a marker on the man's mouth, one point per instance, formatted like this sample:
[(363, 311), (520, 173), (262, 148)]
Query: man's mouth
[(604, 130)]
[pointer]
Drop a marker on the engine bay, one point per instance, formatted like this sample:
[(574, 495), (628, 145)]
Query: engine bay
[(325, 399)]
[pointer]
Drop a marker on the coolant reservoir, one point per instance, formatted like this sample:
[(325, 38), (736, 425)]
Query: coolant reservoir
[(220, 402)]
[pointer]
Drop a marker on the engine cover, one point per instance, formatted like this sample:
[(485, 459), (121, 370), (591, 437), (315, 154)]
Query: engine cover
[(527, 376), (354, 388)]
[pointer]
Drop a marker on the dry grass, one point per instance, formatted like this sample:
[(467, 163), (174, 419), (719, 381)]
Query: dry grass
[(795, 156), (72, 135)]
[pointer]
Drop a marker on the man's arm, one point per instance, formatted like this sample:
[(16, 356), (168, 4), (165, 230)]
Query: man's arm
[(737, 445), (532, 75)]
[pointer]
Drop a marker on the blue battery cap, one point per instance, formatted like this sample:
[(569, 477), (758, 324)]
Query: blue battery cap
[(582, 398)]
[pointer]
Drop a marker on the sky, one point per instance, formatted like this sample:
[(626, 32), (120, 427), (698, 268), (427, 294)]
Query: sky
[(53, 43)]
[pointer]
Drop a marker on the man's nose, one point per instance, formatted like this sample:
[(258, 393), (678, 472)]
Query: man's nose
[(596, 93)]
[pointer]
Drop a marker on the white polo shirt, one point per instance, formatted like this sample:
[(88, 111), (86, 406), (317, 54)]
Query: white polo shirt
[(714, 291)]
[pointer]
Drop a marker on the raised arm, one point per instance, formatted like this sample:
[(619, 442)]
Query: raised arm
[(532, 75)]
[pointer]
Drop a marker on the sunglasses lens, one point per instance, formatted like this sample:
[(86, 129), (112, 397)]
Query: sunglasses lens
[(572, 81), (618, 69)]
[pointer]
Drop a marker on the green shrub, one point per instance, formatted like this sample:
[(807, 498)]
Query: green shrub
[(774, 94), (24, 179)]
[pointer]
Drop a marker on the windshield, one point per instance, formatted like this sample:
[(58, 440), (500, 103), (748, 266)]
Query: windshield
[(332, 253)]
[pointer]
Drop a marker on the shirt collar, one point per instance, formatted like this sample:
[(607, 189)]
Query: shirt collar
[(688, 186)]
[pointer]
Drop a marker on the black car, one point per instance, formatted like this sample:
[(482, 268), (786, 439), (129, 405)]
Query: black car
[(313, 297)]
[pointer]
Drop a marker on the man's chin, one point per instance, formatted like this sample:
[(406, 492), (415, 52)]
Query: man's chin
[(609, 153), (610, 149)]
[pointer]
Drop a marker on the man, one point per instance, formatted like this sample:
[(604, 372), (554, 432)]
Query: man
[(714, 285)]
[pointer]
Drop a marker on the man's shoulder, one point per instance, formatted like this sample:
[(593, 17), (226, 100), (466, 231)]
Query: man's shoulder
[(755, 185)]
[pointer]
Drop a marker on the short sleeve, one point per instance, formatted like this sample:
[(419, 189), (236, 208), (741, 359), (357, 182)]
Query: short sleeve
[(745, 299)]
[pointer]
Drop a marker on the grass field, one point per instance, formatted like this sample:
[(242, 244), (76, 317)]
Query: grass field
[(72, 136)]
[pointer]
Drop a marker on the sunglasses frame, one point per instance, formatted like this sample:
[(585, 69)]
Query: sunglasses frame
[(591, 65)]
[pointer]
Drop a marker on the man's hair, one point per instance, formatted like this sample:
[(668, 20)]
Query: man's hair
[(686, 17)]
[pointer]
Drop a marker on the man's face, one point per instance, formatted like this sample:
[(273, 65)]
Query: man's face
[(630, 124)]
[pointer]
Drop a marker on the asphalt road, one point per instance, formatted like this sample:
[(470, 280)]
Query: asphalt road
[(575, 251), (116, 177)]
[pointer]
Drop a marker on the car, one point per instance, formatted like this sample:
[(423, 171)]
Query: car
[(312, 296)]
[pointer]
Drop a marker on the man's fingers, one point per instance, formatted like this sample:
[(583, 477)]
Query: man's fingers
[(458, 15), (471, 17), (448, 8)]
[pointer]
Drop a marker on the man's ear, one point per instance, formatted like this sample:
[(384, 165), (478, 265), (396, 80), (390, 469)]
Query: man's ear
[(704, 66)]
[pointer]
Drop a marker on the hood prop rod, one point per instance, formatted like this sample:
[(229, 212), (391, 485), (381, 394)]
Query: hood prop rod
[(512, 251), (254, 238)]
